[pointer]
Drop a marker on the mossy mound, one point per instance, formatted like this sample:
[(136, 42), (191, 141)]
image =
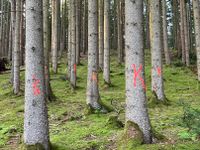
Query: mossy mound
[(131, 138), (114, 122), (157, 137), (37, 146), (102, 110), (154, 101)]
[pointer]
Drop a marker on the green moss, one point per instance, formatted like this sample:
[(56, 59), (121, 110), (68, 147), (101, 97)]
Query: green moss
[(114, 122), (154, 101), (131, 138), (37, 146)]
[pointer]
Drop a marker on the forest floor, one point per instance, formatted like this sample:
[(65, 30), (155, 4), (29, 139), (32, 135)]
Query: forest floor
[(70, 129)]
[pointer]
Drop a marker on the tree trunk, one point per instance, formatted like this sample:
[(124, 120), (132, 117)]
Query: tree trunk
[(120, 33), (36, 128), (165, 35), (93, 96), (78, 31), (16, 83), (47, 47), (54, 34), (73, 45), (156, 52), (106, 68), (196, 9), (136, 110), (101, 34)]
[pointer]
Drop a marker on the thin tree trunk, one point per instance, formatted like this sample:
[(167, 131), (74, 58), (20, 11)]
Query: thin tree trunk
[(47, 47), (136, 110), (78, 32), (196, 9), (156, 52), (106, 68), (165, 35), (101, 34), (16, 83)]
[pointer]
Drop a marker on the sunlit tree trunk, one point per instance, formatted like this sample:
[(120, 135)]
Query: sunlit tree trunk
[(106, 68)]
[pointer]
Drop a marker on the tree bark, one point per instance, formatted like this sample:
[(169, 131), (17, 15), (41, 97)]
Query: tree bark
[(136, 110), (156, 52), (196, 9), (165, 35), (36, 128), (16, 83), (93, 96), (106, 68)]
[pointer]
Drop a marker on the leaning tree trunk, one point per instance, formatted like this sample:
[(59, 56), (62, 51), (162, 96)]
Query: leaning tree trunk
[(16, 83), (106, 68), (73, 45), (101, 33), (36, 130), (47, 47), (136, 110), (156, 52), (196, 9), (92, 79), (165, 36)]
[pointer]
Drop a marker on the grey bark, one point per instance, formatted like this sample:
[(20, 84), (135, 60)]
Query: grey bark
[(73, 45), (196, 9), (36, 130), (156, 52), (101, 34), (78, 31), (47, 47), (136, 103), (16, 83), (92, 79), (106, 68), (165, 35)]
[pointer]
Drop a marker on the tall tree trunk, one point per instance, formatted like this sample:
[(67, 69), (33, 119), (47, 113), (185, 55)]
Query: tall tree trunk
[(16, 83), (55, 33), (120, 33), (156, 52), (36, 128), (106, 68), (196, 9), (47, 47), (93, 96), (78, 31), (136, 110), (186, 37), (165, 35), (13, 23), (69, 41), (101, 33), (73, 45)]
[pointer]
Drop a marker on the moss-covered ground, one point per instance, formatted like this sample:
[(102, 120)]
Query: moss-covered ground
[(70, 129)]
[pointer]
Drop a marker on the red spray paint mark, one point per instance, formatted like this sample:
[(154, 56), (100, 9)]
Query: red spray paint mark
[(94, 77), (159, 71), (75, 69), (35, 84), (136, 75)]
